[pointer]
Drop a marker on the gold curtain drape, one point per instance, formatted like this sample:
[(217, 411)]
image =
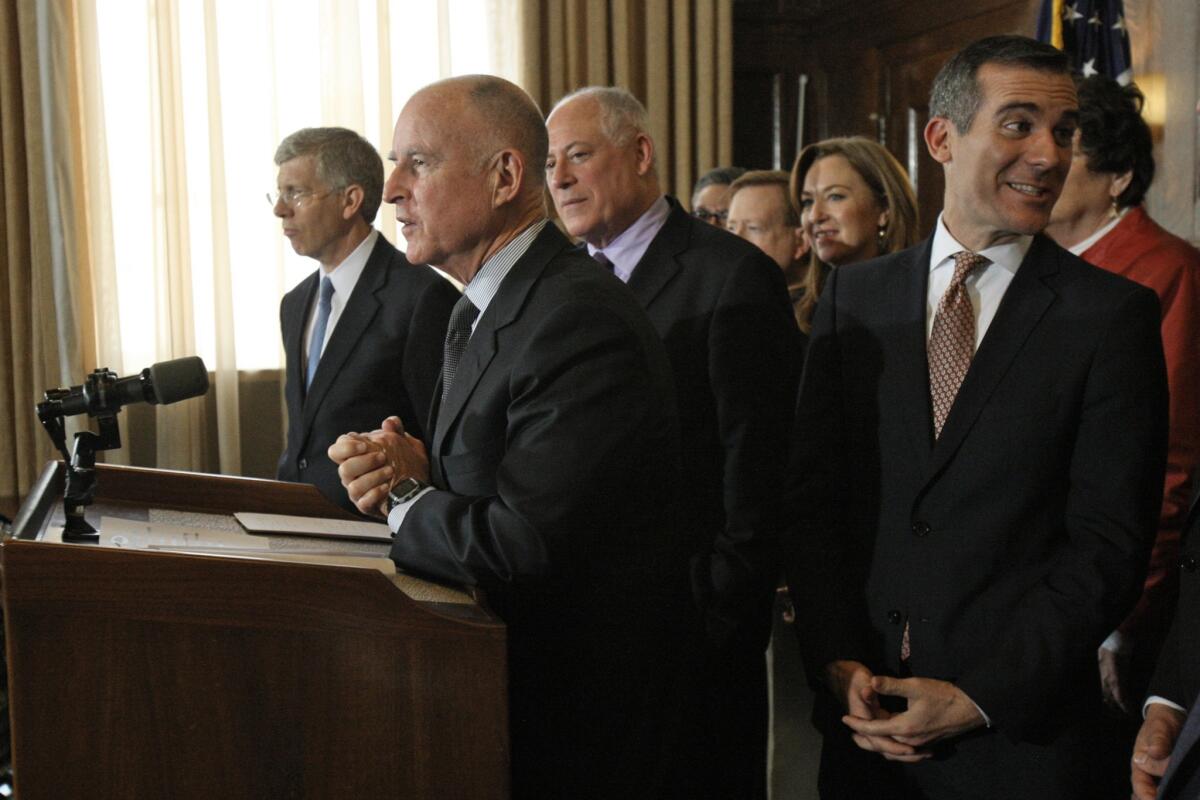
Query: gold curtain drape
[(676, 56), (45, 286)]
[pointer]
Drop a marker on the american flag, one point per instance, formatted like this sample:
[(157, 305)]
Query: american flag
[(1092, 32)]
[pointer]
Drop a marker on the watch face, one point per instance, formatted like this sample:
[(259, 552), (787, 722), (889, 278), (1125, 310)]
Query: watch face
[(403, 491)]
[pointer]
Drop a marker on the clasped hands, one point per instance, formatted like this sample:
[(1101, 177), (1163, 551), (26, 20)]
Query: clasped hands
[(370, 464), (936, 710)]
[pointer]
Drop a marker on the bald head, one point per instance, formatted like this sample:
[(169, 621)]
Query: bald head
[(622, 115), (489, 114), (601, 164), (468, 178)]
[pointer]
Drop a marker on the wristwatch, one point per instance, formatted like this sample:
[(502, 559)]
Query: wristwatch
[(404, 491)]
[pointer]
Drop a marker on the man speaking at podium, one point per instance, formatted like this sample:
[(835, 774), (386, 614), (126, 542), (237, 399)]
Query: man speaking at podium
[(363, 334), (549, 472)]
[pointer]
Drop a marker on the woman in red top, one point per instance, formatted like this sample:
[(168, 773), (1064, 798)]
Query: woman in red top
[(1099, 217)]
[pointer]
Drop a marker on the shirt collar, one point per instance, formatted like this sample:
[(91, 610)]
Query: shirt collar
[(631, 244), (1007, 255), (1082, 247), (487, 280), (345, 275)]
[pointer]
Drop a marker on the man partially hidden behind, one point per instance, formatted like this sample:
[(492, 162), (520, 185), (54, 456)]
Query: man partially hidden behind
[(363, 334), (981, 439), (721, 307), (711, 193), (549, 476), (761, 211)]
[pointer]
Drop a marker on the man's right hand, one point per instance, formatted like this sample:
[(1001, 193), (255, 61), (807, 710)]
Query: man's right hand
[(850, 682), (364, 470), (1152, 749)]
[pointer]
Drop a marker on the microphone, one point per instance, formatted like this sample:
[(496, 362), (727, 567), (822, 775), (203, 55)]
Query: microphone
[(160, 384)]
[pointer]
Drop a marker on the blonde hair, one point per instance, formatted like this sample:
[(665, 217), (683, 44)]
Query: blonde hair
[(886, 179)]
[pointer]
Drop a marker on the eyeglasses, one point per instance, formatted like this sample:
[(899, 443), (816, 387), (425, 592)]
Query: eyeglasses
[(711, 217), (295, 198)]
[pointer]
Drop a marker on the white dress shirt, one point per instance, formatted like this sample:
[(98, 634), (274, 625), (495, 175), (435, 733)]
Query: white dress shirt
[(481, 291), (985, 286), (344, 277)]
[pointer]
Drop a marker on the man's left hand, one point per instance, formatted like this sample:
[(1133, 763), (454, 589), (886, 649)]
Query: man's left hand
[(936, 710)]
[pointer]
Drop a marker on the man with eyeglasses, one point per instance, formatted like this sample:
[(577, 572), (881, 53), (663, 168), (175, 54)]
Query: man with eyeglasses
[(712, 193), (363, 334)]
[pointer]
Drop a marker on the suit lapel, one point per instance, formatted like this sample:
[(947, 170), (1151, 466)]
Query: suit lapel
[(297, 315), (907, 298), (501, 311), (1023, 306), (356, 317), (659, 264)]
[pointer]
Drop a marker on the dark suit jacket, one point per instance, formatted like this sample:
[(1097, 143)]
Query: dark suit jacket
[(721, 307), (384, 357), (555, 458), (1014, 544), (1177, 677)]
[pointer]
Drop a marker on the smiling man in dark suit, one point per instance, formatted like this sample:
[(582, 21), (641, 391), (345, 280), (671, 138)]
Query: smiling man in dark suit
[(363, 334), (553, 459), (721, 307), (980, 447)]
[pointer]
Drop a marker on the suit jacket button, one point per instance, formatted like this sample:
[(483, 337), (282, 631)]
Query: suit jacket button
[(302, 463), (1189, 563), (894, 617), (920, 528)]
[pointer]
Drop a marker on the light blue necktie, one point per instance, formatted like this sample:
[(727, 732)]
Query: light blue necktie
[(318, 337)]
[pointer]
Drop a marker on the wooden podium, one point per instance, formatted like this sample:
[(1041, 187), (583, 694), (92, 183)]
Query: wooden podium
[(138, 674)]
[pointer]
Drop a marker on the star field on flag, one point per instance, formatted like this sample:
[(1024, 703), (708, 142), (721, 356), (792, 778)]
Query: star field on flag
[(1092, 32)]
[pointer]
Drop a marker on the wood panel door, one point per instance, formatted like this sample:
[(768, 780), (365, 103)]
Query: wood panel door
[(870, 66)]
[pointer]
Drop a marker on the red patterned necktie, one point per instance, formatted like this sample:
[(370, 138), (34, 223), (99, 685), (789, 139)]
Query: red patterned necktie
[(951, 347)]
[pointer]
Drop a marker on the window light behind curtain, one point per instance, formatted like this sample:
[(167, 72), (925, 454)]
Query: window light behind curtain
[(194, 97)]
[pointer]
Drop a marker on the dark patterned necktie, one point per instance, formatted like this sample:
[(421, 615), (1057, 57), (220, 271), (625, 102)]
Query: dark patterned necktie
[(457, 335), (603, 260), (952, 341)]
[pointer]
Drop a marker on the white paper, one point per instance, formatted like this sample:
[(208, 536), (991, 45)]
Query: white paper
[(314, 526)]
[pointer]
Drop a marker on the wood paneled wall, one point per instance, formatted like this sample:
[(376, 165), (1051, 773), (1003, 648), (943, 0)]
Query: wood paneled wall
[(869, 65)]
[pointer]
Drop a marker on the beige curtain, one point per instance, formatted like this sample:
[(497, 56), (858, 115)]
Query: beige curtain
[(45, 319), (675, 55), (217, 265)]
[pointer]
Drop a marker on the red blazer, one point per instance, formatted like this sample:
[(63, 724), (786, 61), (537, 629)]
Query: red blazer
[(1141, 250)]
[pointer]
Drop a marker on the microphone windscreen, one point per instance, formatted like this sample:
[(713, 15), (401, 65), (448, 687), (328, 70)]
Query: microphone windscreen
[(178, 379)]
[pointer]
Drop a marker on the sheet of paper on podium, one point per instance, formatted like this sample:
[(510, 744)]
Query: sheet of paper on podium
[(211, 541), (314, 526)]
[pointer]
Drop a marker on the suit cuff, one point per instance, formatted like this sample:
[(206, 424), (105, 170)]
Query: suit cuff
[(1152, 699), (396, 517), (986, 719), (1116, 642)]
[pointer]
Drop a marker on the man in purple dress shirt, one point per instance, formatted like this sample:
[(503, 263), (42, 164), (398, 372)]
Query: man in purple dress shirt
[(721, 307)]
